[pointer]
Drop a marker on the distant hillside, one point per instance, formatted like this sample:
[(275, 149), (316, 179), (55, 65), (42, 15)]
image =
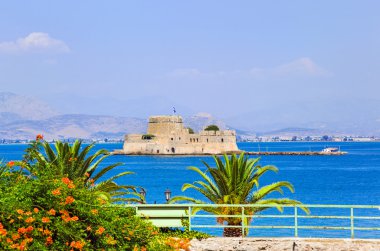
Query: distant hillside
[(24, 117), (74, 126), (199, 121), (16, 107), (89, 126)]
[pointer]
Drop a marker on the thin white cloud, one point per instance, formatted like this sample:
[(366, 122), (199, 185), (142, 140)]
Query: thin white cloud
[(300, 67), (34, 42)]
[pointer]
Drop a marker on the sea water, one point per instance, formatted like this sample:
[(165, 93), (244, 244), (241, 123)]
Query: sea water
[(351, 179)]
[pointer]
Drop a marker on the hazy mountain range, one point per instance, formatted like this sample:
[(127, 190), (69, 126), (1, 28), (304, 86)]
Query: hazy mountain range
[(23, 117)]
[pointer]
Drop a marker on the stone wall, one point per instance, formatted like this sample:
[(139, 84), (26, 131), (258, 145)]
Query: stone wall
[(285, 244)]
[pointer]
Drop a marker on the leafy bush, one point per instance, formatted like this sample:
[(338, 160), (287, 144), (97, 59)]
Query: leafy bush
[(191, 131), (57, 214), (212, 128)]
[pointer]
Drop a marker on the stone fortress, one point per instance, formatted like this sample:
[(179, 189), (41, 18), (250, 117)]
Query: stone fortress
[(167, 135)]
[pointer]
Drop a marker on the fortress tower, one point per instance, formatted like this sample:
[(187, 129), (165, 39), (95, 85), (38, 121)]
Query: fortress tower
[(167, 135)]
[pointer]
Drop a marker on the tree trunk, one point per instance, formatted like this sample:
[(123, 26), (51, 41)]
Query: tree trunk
[(232, 231)]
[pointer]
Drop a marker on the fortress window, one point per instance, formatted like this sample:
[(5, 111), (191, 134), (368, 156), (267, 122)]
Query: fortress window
[(179, 138), (158, 151), (222, 140), (173, 150), (207, 140), (171, 138), (197, 140)]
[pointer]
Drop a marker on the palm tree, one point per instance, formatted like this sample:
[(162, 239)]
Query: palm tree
[(236, 181), (72, 161)]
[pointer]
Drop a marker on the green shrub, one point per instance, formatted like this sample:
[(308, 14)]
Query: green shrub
[(59, 213), (191, 131), (147, 136), (212, 128)]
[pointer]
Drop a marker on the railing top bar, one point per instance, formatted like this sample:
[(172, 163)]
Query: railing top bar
[(252, 205)]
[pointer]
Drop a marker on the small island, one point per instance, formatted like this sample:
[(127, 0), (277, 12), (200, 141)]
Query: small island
[(167, 135)]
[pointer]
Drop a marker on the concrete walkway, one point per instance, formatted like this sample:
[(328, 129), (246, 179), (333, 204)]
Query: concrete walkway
[(288, 244)]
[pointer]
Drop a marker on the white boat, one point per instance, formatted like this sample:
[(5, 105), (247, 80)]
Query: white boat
[(330, 150)]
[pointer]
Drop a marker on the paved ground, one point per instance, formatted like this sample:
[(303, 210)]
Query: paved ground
[(282, 244)]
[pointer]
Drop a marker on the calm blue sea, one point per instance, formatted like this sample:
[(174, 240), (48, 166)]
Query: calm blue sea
[(349, 179)]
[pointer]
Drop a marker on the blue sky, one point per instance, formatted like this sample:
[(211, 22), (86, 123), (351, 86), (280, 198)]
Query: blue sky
[(253, 63)]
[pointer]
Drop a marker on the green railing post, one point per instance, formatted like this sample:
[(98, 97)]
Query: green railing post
[(295, 221), (352, 222), (189, 218), (242, 221)]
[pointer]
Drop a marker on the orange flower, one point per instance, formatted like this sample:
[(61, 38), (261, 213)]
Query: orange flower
[(75, 218), (36, 210), (66, 180), (89, 228), (29, 220), (19, 211), (100, 230), (87, 174), (69, 200), (49, 241), (94, 211), (11, 221), (22, 230), (15, 237), (71, 185), (45, 220), (64, 212), (56, 192), (47, 232), (65, 218), (51, 212), (11, 163), (3, 232), (77, 244), (39, 137), (28, 213), (29, 229)]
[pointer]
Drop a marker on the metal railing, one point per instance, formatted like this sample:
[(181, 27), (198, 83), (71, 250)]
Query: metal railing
[(242, 212)]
